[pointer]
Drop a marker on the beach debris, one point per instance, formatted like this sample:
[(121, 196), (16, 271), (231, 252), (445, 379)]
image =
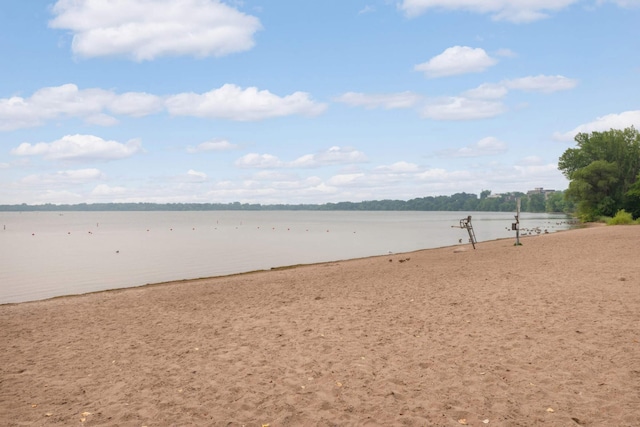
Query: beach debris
[(338, 384), (485, 421), (48, 414), (550, 410), (463, 421), (35, 405)]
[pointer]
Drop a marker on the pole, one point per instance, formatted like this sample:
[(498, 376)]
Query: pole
[(517, 222)]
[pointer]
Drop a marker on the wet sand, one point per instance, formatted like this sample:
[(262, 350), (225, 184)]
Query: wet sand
[(547, 333)]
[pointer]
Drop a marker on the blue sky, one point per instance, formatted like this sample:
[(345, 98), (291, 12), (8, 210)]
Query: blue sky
[(304, 102)]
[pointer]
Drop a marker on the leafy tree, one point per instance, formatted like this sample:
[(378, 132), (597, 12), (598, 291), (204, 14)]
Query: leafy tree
[(602, 169), (593, 186)]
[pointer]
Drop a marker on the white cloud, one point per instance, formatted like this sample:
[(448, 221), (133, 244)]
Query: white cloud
[(520, 11), (386, 101), (457, 60), (147, 29), (228, 102), (214, 145), (601, 124), (66, 101), (235, 103), (461, 108), (80, 147)]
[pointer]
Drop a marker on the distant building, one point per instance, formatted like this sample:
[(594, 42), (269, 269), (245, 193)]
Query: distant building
[(540, 190)]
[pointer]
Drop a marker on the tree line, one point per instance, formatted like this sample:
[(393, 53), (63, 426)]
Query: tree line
[(486, 202)]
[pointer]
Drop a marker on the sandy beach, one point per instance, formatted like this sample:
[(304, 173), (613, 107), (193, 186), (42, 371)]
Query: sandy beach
[(547, 333)]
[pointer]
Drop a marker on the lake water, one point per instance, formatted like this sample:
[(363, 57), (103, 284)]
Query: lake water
[(48, 254)]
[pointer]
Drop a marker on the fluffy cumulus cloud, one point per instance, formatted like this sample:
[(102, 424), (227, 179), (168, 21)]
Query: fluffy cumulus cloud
[(387, 101), (97, 106), (147, 29), (214, 145), (68, 100), (80, 147), (520, 11), (601, 124), (457, 60), (235, 103)]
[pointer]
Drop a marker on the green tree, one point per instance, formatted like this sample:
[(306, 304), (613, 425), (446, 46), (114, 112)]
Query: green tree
[(602, 169), (593, 187)]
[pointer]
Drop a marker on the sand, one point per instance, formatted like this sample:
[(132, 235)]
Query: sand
[(547, 333)]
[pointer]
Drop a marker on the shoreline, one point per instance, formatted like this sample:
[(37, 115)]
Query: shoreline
[(540, 334), (457, 247), (77, 259)]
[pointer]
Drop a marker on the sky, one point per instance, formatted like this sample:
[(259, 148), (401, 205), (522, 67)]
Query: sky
[(294, 101)]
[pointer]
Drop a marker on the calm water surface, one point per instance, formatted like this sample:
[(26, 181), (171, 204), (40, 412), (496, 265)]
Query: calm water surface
[(47, 254)]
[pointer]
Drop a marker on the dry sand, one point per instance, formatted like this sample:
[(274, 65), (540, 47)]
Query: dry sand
[(547, 333)]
